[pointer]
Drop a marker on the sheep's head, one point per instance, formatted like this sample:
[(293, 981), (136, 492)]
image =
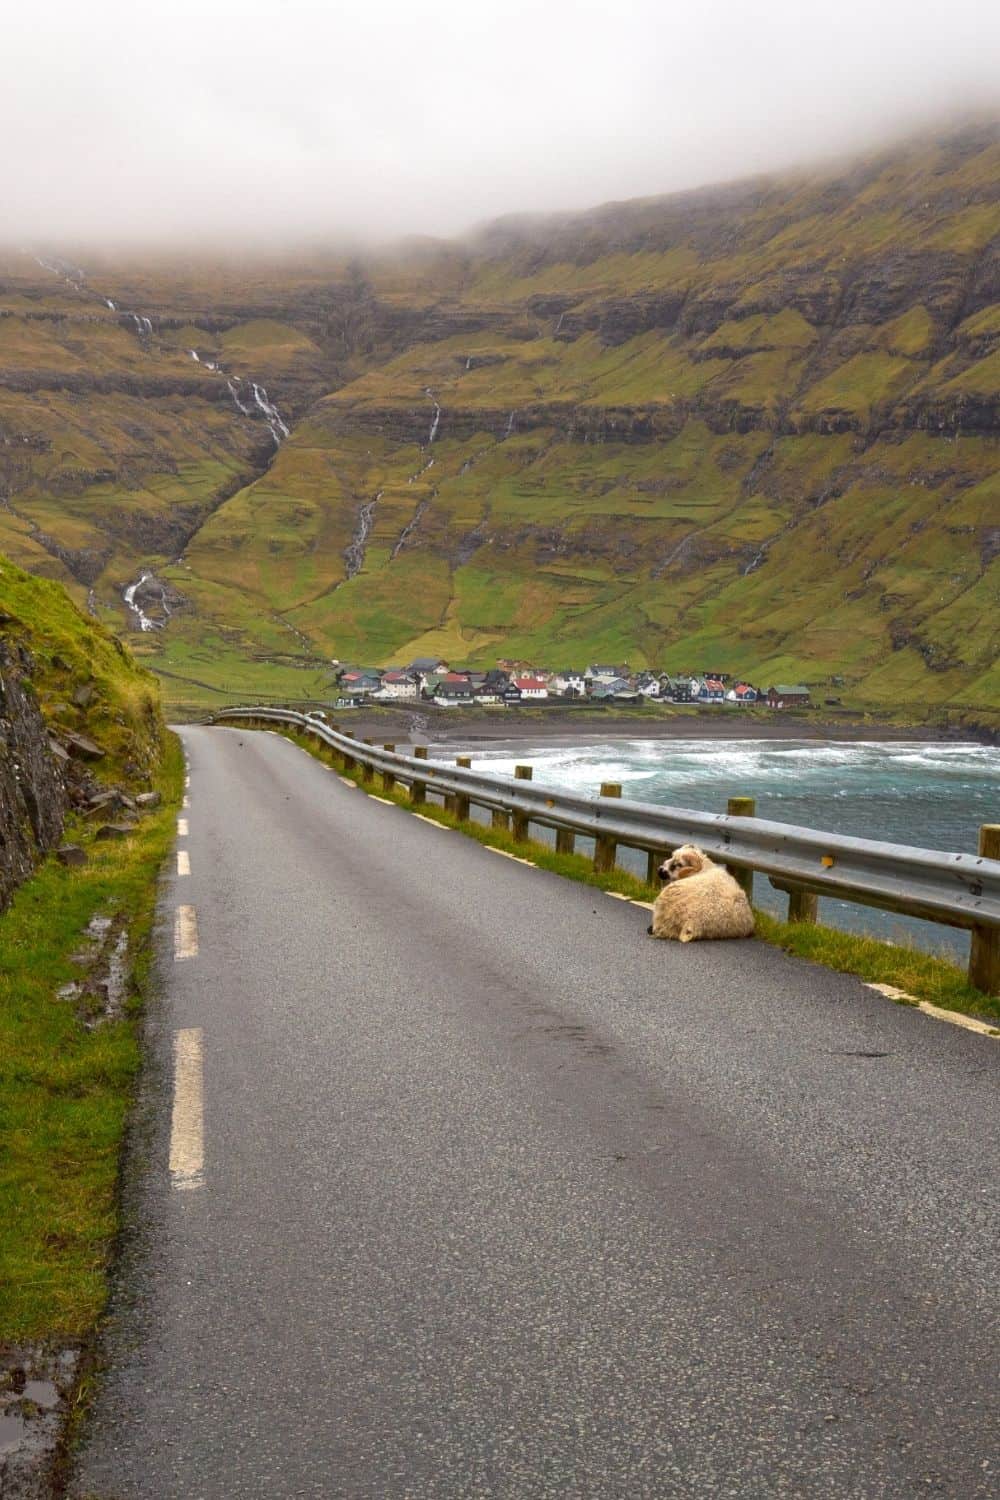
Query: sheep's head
[(685, 861)]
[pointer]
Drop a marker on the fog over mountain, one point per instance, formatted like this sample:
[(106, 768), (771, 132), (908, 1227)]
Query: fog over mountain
[(227, 120)]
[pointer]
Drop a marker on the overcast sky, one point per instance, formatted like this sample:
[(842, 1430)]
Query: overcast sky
[(292, 117)]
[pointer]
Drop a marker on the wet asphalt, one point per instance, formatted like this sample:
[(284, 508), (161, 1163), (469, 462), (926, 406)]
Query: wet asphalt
[(503, 1198)]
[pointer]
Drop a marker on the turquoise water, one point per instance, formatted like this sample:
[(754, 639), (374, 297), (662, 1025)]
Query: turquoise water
[(911, 792)]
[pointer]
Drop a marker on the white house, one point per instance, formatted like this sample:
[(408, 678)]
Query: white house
[(569, 684), (599, 672), (398, 685), (531, 688)]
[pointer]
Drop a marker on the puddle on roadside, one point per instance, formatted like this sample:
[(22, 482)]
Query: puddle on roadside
[(12, 1432), (42, 1392)]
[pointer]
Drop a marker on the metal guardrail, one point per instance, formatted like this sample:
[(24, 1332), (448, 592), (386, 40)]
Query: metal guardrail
[(956, 889)]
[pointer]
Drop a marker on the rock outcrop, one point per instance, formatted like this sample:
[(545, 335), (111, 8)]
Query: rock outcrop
[(32, 794)]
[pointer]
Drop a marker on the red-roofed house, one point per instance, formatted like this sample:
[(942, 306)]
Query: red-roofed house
[(531, 687)]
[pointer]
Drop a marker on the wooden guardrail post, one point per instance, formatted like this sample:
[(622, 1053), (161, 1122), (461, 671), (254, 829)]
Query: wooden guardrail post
[(367, 771), (605, 849), (461, 801), (742, 807), (418, 789), (500, 820), (519, 820), (349, 762), (654, 860), (803, 906), (565, 841), (984, 953), (388, 779)]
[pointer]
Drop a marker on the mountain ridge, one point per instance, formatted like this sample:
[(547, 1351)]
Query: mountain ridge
[(759, 420)]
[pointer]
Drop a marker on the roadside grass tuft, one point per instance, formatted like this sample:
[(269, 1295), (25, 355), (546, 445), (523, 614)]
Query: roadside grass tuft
[(65, 1090), (925, 976)]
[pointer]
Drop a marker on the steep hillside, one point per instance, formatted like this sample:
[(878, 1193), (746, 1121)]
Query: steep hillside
[(754, 427), (75, 714)]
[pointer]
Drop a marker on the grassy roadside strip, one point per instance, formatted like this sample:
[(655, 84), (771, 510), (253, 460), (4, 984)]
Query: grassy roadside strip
[(922, 975), (65, 1087)]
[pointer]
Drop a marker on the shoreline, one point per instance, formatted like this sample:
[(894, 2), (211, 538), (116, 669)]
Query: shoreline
[(458, 729)]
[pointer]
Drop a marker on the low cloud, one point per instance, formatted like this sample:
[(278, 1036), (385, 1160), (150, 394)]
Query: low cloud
[(226, 122)]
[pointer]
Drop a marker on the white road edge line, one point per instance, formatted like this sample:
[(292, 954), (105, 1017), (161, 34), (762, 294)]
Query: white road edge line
[(507, 855), (183, 862), (182, 828), (185, 933), (185, 800), (187, 1129), (376, 798), (434, 824), (953, 1017)]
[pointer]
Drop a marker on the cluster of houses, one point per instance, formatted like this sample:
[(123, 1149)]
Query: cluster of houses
[(510, 684)]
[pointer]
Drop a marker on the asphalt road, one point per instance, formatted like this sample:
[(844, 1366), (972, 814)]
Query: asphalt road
[(502, 1198)]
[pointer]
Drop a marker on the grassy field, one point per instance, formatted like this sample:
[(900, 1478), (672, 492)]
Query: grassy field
[(66, 1082)]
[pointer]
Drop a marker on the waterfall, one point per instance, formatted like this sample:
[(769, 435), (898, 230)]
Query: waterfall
[(262, 403), (232, 384), (409, 529), (436, 419), (755, 562), (272, 416), (510, 424), (354, 553), (559, 324), (468, 363), (145, 623)]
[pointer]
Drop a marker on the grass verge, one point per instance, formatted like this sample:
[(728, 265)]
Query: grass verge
[(66, 1086), (922, 975)]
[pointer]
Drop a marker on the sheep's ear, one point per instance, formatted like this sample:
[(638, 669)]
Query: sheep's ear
[(689, 867)]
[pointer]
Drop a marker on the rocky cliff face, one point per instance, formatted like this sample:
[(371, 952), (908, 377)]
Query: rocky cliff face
[(32, 794)]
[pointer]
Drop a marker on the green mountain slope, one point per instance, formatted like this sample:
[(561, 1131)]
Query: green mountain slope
[(753, 427)]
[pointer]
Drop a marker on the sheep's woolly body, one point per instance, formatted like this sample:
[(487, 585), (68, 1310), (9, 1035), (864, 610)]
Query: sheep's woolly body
[(704, 904)]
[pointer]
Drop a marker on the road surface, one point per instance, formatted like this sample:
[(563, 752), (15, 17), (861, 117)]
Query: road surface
[(449, 1182)]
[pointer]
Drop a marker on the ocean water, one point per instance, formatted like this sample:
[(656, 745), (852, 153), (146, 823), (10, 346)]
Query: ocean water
[(933, 795)]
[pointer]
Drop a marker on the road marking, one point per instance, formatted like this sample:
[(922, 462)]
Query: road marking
[(185, 933), (434, 824), (619, 896), (346, 780), (490, 850), (376, 798), (182, 828), (954, 1017), (187, 1131), (185, 800), (183, 862)]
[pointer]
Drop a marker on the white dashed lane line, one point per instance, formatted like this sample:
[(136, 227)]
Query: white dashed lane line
[(183, 862), (187, 1133), (182, 828), (185, 933)]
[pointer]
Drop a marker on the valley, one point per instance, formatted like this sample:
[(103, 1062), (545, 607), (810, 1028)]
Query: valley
[(754, 426)]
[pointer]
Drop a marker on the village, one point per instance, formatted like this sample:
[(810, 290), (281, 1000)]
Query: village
[(513, 684)]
